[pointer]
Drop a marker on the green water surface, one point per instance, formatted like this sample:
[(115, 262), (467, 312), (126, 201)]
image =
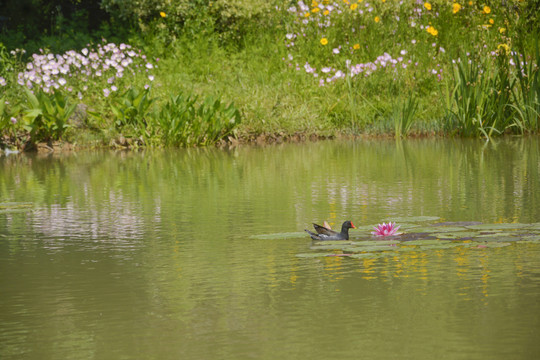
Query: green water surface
[(201, 254)]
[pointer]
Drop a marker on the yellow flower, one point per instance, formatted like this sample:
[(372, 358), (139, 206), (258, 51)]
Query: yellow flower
[(377, 19), (354, 6), (502, 30), (162, 14), (315, 10), (314, 3), (491, 21), (324, 41), (503, 47), (427, 6), (470, 3), (326, 12), (432, 30), (487, 10), (306, 14), (455, 8), (383, 1), (356, 46)]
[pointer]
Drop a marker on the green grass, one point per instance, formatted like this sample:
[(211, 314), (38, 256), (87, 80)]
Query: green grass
[(452, 83)]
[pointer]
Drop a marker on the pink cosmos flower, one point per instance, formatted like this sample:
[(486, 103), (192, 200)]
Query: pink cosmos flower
[(386, 229)]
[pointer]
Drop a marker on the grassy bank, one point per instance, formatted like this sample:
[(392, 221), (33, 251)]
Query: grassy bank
[(329, 68)]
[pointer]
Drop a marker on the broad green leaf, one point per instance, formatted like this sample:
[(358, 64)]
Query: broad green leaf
[(413, 219), (425, 242), (375, 242), (498, 226)]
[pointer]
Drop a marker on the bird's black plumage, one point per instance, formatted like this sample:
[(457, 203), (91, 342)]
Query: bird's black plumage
[(324, 233)]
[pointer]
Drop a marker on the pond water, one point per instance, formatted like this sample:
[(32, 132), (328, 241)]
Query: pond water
[(201, 254)]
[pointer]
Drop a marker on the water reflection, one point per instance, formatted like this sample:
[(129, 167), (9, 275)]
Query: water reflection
[(150, 254)]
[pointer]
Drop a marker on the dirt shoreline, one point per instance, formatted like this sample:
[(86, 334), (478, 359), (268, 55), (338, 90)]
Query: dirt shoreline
[(10, 145)]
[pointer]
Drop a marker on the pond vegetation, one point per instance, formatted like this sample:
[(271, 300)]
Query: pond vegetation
[(186, 75)]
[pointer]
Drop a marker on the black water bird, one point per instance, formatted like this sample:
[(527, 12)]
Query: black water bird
[(324, 233)]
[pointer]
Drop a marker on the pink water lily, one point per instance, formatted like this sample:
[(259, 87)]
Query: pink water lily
[(386, 229)]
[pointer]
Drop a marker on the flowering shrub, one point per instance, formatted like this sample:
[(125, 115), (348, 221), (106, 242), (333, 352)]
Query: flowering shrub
[(333, 39), (102, 70)]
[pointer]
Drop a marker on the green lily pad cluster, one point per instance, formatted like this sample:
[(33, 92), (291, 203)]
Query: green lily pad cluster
[(428, 237)]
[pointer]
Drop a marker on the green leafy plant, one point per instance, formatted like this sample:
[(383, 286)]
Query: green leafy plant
[(482, 98), (526, 100), (132, 107), (46, 115), (183, 122), (403, 116)]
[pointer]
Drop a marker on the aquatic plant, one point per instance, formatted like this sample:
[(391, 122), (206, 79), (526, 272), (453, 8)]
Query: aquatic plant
[(132, 107), (8, 117), (184, 122), (386, 229), (526, 100), (46, 115), (403, 116)]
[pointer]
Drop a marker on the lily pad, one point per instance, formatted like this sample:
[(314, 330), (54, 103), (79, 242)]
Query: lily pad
[(457, 223), (425, 242), (493, 234), (498, 226), (439, 229), (491, 245), (414, 218), (534, 226), (457, 235), (332, 243), (375, 242), (406, 226), (495, 238), (287, 235), (417, 236), (371, 255), (530, 239), (449, 228)]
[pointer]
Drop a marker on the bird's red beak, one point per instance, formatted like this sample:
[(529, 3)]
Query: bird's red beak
[(352, 225)]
